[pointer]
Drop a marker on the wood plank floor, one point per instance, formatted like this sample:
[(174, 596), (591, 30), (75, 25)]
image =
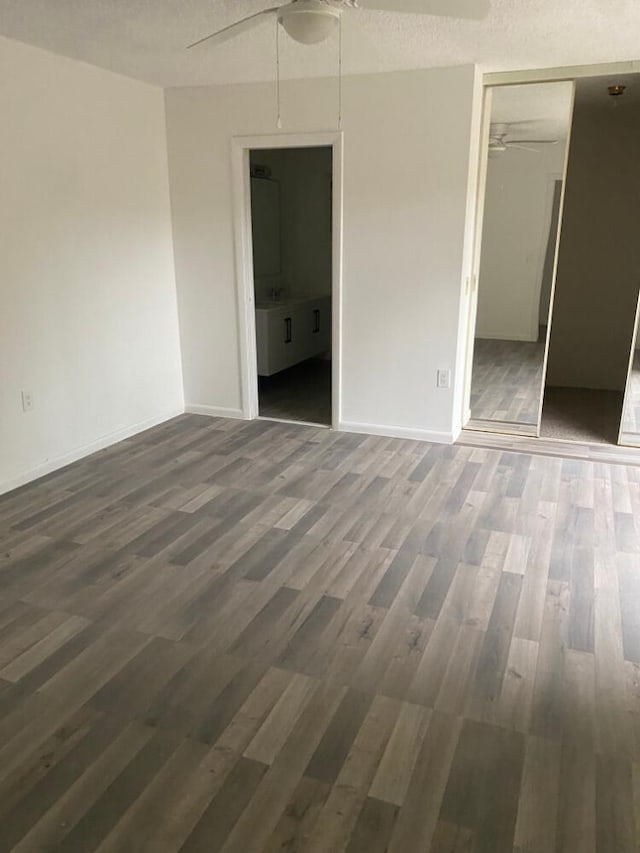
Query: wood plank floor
[(607, 453), (506, 382), (253, 636), (300, 393), (631, 416)]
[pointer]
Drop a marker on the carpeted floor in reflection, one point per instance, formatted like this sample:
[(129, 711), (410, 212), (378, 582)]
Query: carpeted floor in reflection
[(581, 414)]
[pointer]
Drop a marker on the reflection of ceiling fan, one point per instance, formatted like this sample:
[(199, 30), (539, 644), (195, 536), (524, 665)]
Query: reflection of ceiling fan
[(312, 21), (500, 141)]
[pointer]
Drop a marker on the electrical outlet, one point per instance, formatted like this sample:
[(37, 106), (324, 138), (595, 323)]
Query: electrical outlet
[(27, 401), (443, 379)]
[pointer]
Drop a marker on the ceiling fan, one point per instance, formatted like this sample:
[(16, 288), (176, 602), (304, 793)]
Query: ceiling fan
[(499, 140), (313, 21)]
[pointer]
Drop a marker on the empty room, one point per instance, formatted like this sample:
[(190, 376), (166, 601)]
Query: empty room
[(319, 443)]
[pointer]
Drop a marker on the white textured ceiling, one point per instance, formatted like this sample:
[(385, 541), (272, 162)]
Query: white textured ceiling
[(146, 38), (535, 110)]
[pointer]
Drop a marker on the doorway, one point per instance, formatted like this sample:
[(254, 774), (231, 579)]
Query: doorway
[(288, 230), (291, 225)]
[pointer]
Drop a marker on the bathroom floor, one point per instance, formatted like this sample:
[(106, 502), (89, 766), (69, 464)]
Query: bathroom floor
[(300, 393)]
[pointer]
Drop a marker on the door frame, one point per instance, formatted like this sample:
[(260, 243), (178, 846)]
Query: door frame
[(556, 259), (552, 180), (241, 146), (472, 284)]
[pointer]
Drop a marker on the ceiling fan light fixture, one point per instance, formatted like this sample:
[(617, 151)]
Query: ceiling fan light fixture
[(309, 21)]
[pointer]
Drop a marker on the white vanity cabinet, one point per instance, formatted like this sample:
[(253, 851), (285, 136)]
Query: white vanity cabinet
[(291, 331)]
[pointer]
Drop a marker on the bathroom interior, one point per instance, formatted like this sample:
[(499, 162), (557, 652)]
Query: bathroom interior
[(291, 220)]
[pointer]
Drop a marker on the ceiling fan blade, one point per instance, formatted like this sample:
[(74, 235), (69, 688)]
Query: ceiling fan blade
[(233, 30), (475, 9), (507, 124)]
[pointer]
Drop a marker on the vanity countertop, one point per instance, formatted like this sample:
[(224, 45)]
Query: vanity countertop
[(288, 302)]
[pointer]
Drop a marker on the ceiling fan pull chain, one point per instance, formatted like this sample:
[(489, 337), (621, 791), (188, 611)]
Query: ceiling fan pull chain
[(340, 73), (279, 118)]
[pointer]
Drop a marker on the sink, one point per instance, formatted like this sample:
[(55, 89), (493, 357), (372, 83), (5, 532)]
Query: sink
[(287, 302)]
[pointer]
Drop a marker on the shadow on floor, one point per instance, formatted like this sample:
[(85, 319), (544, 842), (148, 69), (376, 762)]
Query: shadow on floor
[(300, 393)]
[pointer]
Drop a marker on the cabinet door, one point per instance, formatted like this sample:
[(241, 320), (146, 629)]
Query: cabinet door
[(284, 336), (263, 341), (301, 335), (321, 325)]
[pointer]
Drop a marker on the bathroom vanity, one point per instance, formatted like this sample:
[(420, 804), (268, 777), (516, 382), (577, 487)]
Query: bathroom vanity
[(290, 331)]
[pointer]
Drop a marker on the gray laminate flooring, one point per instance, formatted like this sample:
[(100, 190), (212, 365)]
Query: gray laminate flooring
[(257, 637), (506, 381), (300, 393)]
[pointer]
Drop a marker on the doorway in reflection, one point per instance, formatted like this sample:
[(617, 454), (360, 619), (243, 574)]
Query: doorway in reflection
[(630, 423)]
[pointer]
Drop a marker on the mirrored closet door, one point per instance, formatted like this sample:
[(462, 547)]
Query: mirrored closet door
[(527, 152), (630, 424)]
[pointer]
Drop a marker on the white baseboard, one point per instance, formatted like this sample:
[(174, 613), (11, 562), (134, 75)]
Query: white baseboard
[(215, 412), (398, 432), (78, 453)]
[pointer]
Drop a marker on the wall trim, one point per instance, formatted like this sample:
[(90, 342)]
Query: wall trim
[(560, 73), (398, 432), (215, 411), (78, 453)]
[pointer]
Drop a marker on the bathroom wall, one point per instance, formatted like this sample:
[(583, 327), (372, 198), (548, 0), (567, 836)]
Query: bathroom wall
[(304, 179)]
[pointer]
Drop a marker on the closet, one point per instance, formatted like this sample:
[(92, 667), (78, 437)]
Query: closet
[(554, 350)]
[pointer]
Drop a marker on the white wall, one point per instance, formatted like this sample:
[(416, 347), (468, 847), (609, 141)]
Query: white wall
[(304, 177), (88, 317), (599, 260), (407, 140), (517, 219), (266, 235)]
